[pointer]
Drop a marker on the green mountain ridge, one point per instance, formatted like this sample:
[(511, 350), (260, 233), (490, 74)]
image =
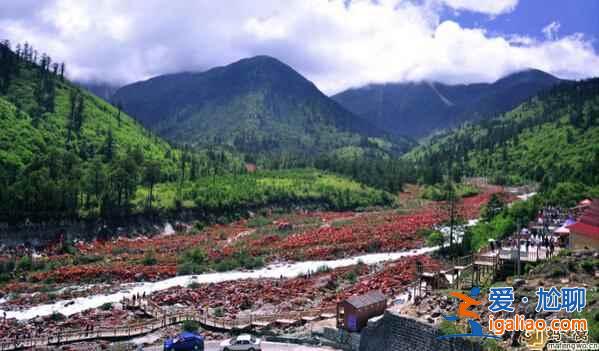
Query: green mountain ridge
[(416, 109), (257, 105), (64, 151), (552, 138)]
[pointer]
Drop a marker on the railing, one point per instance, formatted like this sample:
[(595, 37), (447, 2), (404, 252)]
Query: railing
[(491, 259), (161, 319), (462, 261)]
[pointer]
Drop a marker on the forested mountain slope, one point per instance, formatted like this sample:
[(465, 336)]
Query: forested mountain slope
[(257, 105), (67, 154), (416, 109), (63, 151), (552, 138)]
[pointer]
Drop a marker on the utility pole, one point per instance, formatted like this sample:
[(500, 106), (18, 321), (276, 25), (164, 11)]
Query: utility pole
[(451, 196), (452, 217), (518, 250)]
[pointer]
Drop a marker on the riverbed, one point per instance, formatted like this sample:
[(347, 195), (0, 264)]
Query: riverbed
[(272, 271), (276, 270)]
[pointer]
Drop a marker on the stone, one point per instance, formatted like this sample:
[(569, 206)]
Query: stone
[(519, 283)]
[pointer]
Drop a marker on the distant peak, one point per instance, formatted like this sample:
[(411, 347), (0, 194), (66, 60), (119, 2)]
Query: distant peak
[(261, 59), (529, 73)]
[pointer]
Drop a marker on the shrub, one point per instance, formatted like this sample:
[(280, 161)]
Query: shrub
[(491, 345), (7, 266), (374, 246), (25, 263), (193, 285), (86, 259), (592, 317), (433, 193), (565, 252), (56, 316), (187, 268), (258, 221), (149, 258), (68, 248), (434, 238), (199, 226), (339, 223), (192, 261), (239, 259), (558, 272), (190, 326), (589, 265), (447, 328), (118, 250), (106, 306), (219, 312), (226, 265), (351, 276), (4, 277)]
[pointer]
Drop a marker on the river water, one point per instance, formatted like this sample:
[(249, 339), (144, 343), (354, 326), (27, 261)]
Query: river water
[(286, 270)]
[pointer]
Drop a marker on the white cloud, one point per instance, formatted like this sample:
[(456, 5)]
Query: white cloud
[(491, 7), (335, 45), (551, 30)]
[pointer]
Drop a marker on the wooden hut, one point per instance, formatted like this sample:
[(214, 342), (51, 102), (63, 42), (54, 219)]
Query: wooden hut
[(354, 312)]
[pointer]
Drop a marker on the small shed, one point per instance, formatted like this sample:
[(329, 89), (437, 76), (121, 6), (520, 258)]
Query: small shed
[(353, 313)]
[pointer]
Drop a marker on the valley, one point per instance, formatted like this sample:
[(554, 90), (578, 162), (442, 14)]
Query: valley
[(271, 264), (259, 190)]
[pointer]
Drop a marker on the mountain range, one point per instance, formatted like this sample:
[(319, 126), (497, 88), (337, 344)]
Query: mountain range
[(256, 105), (416, 109)]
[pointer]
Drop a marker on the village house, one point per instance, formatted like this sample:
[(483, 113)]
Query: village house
[(584, 234)]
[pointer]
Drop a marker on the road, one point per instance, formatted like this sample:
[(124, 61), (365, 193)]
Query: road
[(266, 346)]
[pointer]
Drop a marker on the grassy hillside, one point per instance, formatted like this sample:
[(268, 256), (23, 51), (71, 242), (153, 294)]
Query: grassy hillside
[(63, 151), (230, 194), (552, 138)]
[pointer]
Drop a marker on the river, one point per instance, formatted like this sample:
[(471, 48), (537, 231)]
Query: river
[(277, 270)]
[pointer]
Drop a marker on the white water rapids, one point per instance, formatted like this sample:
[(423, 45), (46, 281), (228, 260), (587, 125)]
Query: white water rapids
[(290, 270)]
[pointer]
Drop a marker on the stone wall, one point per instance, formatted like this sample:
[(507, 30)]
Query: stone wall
[(396, 332), (39, 234), (342, 338)]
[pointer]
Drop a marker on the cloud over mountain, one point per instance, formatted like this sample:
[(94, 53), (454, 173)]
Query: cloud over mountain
[(337, 44)]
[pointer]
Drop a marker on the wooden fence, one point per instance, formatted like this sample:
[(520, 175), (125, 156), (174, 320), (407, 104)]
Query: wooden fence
[(160, 320)]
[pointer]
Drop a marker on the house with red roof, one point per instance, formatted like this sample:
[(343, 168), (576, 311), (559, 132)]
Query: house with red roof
[(584, 234)]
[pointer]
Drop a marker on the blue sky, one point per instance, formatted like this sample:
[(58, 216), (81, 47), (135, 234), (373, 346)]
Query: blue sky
[(530, 17), (337, 44)]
